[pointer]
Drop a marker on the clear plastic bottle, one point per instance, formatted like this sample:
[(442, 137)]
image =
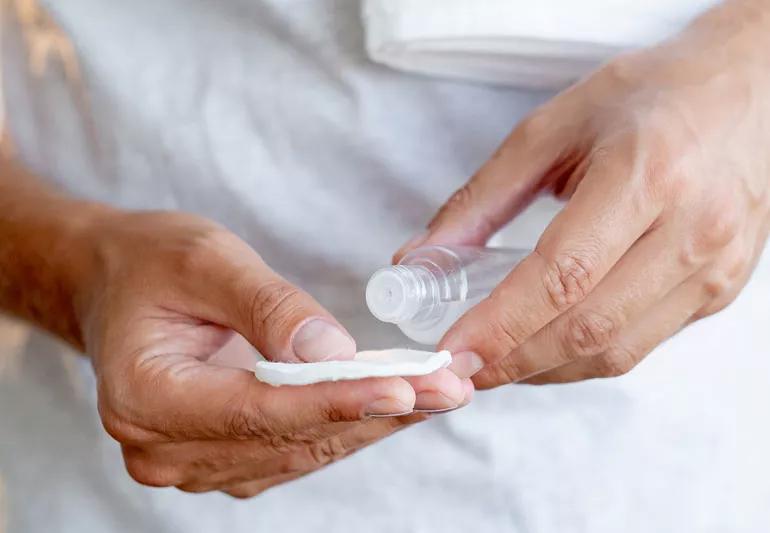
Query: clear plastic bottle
[(431, 287)]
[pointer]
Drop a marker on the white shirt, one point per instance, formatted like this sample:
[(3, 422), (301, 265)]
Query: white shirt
[(266, 115)]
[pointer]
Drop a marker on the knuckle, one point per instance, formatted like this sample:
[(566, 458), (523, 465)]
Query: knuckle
[(642, 155), (461, 198), (716, 285), (567, 280), (244, 492), (334, 413), (121, 404), (147, 472), (622, 69), (506, 327), (194, 488), (242, 425), (649, 165), (536, 126), (690, 257), (289, 442), (618, 361), (273, 305), (108, 406), (719, 225), (723, 281), (717, 305), (589, 333), (292, 464), (503, 329), (508, 370), (720, 288), (738, 266), (244, 421), (118, 427), (328, 451)]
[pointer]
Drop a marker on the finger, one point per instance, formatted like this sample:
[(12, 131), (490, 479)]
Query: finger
[(213, 402), (536, 150), (468, 393), (439, 391), (234, 464), (320, 454), (719, 287), (466, 364), (603, 220), (732, 274), (470, 390), (651, 269), (205, 463), (235, 288), (662, 321)]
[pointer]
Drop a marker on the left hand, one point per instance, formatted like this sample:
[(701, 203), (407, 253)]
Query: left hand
[(664, 158), (160, 298)]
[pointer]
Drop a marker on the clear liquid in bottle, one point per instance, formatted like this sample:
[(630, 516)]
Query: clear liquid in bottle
[(432, 287)]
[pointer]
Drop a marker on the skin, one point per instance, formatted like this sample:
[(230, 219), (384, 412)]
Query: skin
[(662, 159), (156, 299)]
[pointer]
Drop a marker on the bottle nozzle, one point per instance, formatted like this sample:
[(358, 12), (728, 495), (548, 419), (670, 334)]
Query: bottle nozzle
[(398, 293)]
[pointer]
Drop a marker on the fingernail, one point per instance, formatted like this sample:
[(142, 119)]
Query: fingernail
[(438, 411), (434, 402), (319, 340), (470, 390), (387, 407), (466, 364)]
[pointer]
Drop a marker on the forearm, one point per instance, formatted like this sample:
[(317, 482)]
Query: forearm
[(43, 256)]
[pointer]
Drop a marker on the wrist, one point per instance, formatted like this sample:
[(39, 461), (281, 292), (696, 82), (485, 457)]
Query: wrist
[(45, 256), (75, 260)]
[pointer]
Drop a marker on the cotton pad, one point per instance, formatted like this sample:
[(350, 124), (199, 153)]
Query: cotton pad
[(369, 364)]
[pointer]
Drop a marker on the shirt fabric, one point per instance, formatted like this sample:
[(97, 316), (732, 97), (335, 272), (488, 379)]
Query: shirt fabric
[(266, 115)]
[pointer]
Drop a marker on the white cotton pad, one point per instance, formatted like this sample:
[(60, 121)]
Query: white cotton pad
[(370, 364)]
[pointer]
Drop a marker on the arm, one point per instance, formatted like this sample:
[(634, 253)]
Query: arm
[(42, 252), (662, 156)]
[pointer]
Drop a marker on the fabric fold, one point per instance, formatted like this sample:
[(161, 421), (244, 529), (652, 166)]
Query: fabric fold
[(539, 44)]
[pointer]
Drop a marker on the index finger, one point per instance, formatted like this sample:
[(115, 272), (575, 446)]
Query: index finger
[(598, 225)]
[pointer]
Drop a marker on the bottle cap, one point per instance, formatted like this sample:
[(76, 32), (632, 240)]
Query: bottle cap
[(394, 294)]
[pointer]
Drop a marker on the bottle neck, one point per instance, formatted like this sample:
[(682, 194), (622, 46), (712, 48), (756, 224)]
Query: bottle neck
[(402, 293)]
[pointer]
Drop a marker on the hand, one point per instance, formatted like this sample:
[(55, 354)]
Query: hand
[(663, 157), (164, 294)]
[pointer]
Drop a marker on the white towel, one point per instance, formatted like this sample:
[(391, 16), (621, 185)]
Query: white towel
[(526, 43)]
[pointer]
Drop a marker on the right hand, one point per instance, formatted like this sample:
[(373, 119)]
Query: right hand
[(163, 293)]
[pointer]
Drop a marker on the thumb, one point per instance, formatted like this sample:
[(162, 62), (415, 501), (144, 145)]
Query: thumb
[(280, 320), (505, 185), (286, 324)]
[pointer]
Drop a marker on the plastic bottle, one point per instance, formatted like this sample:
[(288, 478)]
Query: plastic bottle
[(432, 287)]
